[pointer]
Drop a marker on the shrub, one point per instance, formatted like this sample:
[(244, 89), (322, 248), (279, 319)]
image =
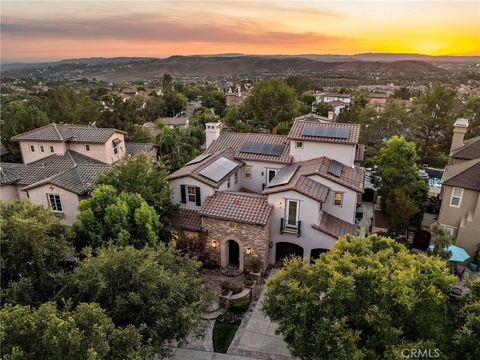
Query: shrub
[(211, 264), (248, 281), (229, 286), (240, 306), (255, 264)]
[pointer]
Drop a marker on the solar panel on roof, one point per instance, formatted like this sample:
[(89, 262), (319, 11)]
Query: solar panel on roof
[(309, 131), (217, 170), (262, 148), (335, 168), (283, 176), (326, 131), (343, 133), (198, 159)]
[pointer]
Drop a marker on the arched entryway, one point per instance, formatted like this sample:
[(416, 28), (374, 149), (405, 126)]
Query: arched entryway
[(315, 253), (286, 249), (232, 254)]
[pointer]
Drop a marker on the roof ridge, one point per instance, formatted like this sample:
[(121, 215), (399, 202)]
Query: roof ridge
[(240, 193), (58, 132), (29, 131), (463, 166), (467, 143)]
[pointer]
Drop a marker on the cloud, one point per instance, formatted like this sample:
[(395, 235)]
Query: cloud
[(155, 28)]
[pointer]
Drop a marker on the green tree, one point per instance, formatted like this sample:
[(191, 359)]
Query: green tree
[(471, 111), (167, 82), (398, 181), (154, 108), (120, 217), (215, 100), (119, 114), (34, 248), (442, 240), (18, 117), (152, 287), (85, 333), (175, 102), (322, 109), (358, 300)]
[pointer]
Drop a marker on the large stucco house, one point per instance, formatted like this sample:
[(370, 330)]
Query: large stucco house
[(460, 209), (268, 196), (61, 163)]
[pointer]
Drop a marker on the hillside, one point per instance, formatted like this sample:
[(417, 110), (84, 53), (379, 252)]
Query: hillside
[(212, 66)]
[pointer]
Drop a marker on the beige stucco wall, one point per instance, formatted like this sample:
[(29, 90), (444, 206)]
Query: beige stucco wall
[(28, 156), (101, 152), (450, 215), (254, 237), (68, 199), (8, 193)]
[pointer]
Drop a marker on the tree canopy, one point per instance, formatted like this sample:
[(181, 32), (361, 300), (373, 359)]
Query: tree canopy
[(34, 251), (361, 298), (151, 287), (119, 217)]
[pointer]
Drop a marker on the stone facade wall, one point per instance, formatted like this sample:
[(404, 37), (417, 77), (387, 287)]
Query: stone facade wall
[(253, 237)]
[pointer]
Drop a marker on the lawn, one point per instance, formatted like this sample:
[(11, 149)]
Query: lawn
[(223, 334)]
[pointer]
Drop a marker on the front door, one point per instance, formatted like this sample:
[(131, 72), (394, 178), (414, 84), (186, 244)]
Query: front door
[(233, 253)]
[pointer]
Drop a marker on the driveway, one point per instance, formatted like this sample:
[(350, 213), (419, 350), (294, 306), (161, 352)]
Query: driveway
[(256, 338)]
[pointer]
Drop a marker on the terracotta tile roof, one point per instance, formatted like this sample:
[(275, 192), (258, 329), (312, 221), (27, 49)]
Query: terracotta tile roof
[(236, 206), (359, 152), (193, 170), (469, 151), (464, 175), (378, 95), (187, 219), (236, 140), (334, 226), (352, 178), (68, 133), (336, 103), (297, 130), (331, 94)]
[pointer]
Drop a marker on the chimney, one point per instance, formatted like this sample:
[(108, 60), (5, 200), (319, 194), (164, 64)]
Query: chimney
[(459, 130), (212, 131)]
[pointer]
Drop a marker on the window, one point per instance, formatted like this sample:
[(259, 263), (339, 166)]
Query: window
[(271, 174), (42, 148), (87, 147), (191, 193), (338, 199), (228, 183), (299, 144), (291, 213), (450, 230), (32, 148), (248, 171), (115, 143), (235, 176), (456, 197), (52, 150), (54, 202)]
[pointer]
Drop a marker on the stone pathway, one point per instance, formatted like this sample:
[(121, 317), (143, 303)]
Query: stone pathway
[(189, 354), (256, 338)]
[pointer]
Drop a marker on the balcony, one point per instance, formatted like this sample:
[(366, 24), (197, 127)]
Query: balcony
[(286, 228)]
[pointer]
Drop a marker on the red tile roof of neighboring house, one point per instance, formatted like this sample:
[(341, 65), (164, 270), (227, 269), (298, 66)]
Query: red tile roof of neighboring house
[(236, 206), (469, 151), (296, 132), (187, 219), (193, 170), (334, 226), (336, 103), (359, 152), (465, 175), (236, 140)]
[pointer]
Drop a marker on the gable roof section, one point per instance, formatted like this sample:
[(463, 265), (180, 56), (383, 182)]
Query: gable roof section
[(296, 132), (68, 133), (236, 140), (469, 151), (175, 121), (193, 170), (187, 219), (137, 148), (334, 226), (359, 152), (71, 171), (237, 206), (465, 175), (352, 178)]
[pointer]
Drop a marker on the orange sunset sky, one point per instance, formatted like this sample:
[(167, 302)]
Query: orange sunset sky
[(48, 30)]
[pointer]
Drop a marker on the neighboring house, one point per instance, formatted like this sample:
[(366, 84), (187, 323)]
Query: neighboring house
[(327, 97), (312, 116), (460, 208), (377, 98), (304, 188), (337, 106), (236, 94), (176, 122), (61, 163), (152, 128)]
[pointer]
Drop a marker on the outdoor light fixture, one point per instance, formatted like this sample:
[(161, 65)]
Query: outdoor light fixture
[(280, 205), (214, 244), (248, 250)]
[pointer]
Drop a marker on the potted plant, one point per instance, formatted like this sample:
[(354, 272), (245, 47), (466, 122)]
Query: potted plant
[(255, 266), (476, 259), (249, 281)]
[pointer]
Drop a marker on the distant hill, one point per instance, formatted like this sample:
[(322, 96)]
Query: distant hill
[(116, 69)]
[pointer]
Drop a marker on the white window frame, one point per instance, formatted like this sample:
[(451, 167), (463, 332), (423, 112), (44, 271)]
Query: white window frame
[(298, 144), (194, 194), (268, 175), (42, 148), (52, 149), (32, 148), (56, 203), (87, 147), (459, 197), (297, 218), (248, 171), (334, 199)]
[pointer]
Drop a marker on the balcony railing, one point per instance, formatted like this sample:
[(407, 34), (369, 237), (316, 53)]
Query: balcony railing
[(286, 228)]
